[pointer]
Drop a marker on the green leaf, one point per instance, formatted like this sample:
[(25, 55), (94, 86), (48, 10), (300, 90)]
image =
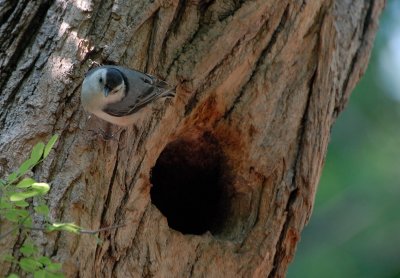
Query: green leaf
[(50, 145), (12, 177), (5, 204), (54, 267), (18, 196), (13, 275), (2, 182), (29, 264), (21, 204), (28, 249), (68, 227), (41, 187), (38, 188), (14, 215), (44, 260), (11, 216), (25, 166), (28, 222), (42, 209), (37, 152), (27, 182), (39, 274)]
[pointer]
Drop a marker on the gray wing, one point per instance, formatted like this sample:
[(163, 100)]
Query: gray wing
[(142, 89)]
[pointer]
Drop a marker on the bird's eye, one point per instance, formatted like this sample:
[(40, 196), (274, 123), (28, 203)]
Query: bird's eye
[(101, 80)]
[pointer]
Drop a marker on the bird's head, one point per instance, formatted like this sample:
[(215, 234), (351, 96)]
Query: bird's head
[(105, 82)]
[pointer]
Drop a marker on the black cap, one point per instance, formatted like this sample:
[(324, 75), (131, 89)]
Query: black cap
[(114, 78)]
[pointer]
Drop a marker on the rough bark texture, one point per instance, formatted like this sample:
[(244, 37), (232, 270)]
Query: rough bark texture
[(259, 84)]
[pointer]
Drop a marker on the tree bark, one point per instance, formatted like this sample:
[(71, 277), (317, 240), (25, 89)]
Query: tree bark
[(218, 182)]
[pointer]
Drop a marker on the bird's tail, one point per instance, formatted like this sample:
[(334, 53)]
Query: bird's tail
[(168, 93), (164, 89)]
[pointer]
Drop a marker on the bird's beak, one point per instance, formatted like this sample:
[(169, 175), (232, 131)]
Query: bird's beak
[(106, 91)]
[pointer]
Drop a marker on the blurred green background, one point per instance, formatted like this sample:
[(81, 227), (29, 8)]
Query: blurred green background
[(355, 227)]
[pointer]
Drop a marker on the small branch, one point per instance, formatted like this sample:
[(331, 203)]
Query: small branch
[(91, 232), (20, 226), (9, 232), (81, 231)]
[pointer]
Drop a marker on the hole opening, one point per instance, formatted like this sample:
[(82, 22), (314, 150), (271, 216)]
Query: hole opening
[(190, 185)]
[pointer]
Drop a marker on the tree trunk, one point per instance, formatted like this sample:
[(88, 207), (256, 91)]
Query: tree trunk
[(218, 182)]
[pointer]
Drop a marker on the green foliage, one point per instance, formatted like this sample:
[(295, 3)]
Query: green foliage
[(68, 227), (16, 207), (15, 194)]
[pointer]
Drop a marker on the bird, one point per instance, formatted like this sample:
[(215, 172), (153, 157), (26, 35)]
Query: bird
[(115, 93)]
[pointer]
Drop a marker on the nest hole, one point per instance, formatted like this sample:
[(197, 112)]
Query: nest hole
[(189, 185)]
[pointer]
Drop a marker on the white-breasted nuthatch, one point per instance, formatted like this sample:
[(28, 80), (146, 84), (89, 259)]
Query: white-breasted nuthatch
[(115, 93)]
